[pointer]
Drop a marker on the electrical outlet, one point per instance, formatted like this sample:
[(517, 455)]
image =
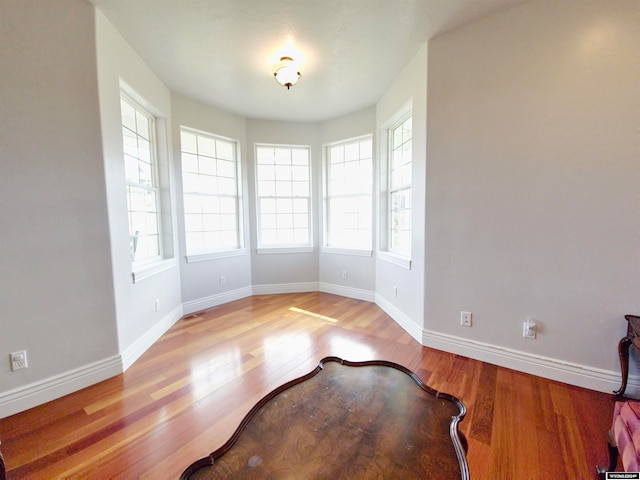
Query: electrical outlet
[(395, 291), (156, 305), (223, 281), (18, 360), (465, 319), (344, 274), (529, 329)]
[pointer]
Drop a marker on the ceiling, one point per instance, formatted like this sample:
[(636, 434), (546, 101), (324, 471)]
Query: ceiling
[(221, 52)]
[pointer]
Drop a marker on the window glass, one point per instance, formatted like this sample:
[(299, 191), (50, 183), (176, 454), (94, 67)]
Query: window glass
[(138, 129), (349, 174), (284, 196), (399, 198), (211, 193)]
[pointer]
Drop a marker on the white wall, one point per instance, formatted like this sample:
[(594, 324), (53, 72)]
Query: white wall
[(201, 280), (139, 324), (532, 184), (56, 288), (408, 89)]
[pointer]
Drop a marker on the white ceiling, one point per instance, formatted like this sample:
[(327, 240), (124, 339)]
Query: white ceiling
[(221, 52)]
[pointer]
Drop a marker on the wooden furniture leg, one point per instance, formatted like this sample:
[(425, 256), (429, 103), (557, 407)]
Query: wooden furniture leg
[(3, 471), (623, 353), (613, 459)]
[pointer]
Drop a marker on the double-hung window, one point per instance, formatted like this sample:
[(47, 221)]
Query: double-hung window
[(140, 165), (283, 196), (211, 193), (399, 189), (349, 180)]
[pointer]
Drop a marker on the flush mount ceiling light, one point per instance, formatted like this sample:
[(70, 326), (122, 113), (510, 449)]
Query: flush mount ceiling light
[(287, 72)]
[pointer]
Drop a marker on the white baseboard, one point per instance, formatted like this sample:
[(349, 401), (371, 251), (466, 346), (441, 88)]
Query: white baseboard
[(37, 393), (567, 372), (215, 300), (551, 368), (399, 317), (349, 292), (272, 289), (142, 344)]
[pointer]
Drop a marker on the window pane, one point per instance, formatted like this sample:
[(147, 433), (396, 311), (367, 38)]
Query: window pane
[(226, 169), (285, 236), (206, 146), (208, 184), (300, 205), (206, 165), (300, 156), (284, 221), (284, 205), (300, 220), (300, 189), (191, 182), (283, 173), (269, 236), (225, 150), (269, 221), (193, 222), (189, 162), (301, 235), (268, 205), (128, 116), (188, 143), (352, 152), (266, 188), (227, 186), (283, 189), (300, 173), (194, 241), (142, 125), (228, 204), (210, 204), (211, 222), (131, 169), (266, 172)]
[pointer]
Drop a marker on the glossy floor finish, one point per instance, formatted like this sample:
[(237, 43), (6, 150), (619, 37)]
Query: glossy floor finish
[(187, 394)]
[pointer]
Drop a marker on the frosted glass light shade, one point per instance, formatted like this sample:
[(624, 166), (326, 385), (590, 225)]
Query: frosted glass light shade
[(287, 72)]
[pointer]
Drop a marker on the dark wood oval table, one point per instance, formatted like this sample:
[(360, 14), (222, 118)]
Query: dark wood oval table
[(373, 419)]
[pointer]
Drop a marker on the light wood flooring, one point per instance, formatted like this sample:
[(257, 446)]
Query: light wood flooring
[(187, 394)]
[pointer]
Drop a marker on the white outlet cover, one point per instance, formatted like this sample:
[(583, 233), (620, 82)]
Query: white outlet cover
[(529, 330), (18, 360)]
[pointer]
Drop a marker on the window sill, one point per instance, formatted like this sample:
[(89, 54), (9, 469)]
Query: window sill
[(277, 250), (347, 251), (203, 257), (146, 271), (395, 259)]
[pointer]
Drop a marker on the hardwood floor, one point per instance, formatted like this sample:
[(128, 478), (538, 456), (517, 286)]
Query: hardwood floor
[(187, 394)]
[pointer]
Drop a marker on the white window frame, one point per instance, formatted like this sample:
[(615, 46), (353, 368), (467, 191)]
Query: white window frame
[(223, 252), (386, 252), (328, 247), (292, 247), (147, 188), (148, 267)]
